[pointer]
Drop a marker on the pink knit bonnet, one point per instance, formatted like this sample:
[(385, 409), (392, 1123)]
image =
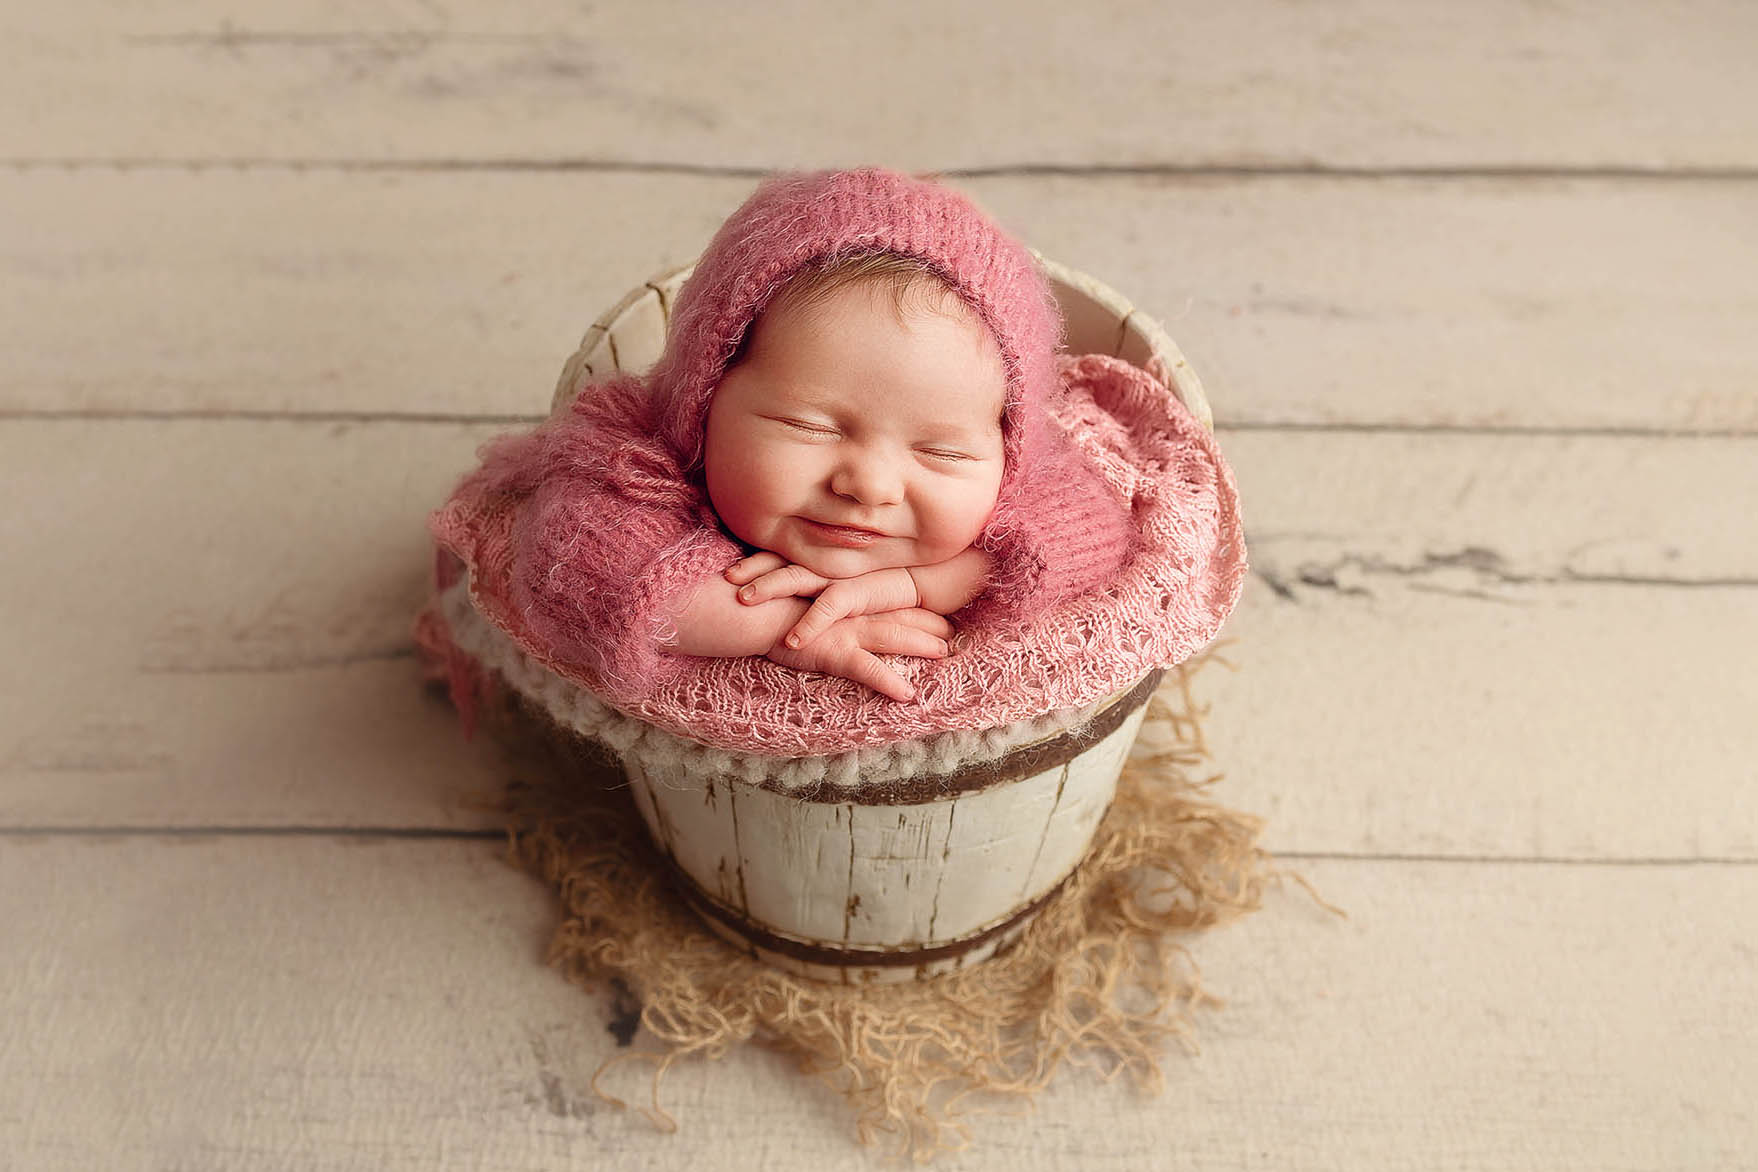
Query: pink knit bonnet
[(793, 220)]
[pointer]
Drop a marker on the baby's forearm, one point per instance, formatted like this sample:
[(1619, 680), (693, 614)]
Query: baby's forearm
[(713, 622), (946, 586)]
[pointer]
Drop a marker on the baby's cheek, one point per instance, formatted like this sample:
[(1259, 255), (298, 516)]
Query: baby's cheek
[(736, 502), (981, 498), (965, 511), (727, 491)]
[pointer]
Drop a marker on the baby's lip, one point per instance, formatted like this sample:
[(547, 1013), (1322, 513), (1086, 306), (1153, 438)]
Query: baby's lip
[(845, 528)]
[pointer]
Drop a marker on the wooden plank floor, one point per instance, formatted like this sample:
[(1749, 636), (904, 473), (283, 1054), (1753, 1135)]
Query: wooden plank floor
[(1471, 287)]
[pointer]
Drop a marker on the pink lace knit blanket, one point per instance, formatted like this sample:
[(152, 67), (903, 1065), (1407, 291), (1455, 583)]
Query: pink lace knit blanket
[(1166, 603)]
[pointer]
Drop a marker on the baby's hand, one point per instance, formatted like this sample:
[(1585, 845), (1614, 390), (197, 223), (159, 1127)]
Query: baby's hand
[(850, 647), (764, 576)]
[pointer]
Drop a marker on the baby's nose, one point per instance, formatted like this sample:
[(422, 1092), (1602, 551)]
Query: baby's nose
[(872, 478)]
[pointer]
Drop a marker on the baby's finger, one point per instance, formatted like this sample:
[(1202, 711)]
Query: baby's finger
[(864, 668), (924, 620), (747, 569), (887, 637), (823, 612), (786, 582)]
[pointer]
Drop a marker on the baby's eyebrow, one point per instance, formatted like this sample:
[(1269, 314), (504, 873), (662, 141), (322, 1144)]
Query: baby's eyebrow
[(796, 394), (955, 433)]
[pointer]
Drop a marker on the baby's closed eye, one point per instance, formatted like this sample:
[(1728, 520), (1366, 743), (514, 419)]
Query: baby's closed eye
[(806, 426)]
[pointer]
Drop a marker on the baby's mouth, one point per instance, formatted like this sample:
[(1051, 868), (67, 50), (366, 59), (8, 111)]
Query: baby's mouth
[(851, 536)]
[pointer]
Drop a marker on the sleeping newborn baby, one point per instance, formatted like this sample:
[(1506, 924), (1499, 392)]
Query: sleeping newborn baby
[(856, 441), (847, 439)]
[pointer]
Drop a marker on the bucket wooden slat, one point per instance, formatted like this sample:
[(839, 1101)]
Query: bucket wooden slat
[(1080, 808), (897, 856), (814, 840), (701, 833)]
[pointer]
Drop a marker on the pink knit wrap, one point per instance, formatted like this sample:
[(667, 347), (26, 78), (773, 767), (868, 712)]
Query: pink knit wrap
[(1116, 539)]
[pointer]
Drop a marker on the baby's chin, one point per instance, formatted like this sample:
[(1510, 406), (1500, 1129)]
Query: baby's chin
[(843, 563), (832, 561)]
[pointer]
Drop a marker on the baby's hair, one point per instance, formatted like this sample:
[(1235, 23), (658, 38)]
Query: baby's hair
[(912, 284)]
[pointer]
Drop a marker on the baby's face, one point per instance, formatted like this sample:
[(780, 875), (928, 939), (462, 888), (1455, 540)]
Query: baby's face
[(848, 441)]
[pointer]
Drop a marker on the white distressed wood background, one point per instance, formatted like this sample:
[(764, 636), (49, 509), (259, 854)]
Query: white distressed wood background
[(1471, 288)]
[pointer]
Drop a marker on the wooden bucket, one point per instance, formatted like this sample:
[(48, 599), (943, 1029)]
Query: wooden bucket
[(908, 878), (904, 880)]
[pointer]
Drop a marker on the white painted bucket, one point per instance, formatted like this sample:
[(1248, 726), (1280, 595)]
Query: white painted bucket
[(903, 880)]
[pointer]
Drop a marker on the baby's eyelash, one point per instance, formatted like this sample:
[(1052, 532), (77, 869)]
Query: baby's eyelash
[(808, 428), (820, 430)]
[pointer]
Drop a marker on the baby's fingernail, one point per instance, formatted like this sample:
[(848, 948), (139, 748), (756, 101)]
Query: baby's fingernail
[(746, 593), (793, 640)]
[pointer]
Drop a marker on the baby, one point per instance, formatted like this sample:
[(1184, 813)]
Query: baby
[(847, 439), (856, 440)]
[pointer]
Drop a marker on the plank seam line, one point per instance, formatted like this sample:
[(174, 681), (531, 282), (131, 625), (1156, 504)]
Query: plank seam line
[(247, 415), (490, 834), (1485, 564), (206, 415), (1520, 860), (220, 667), (1563, 431), (401, 832), (1614, 172)]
